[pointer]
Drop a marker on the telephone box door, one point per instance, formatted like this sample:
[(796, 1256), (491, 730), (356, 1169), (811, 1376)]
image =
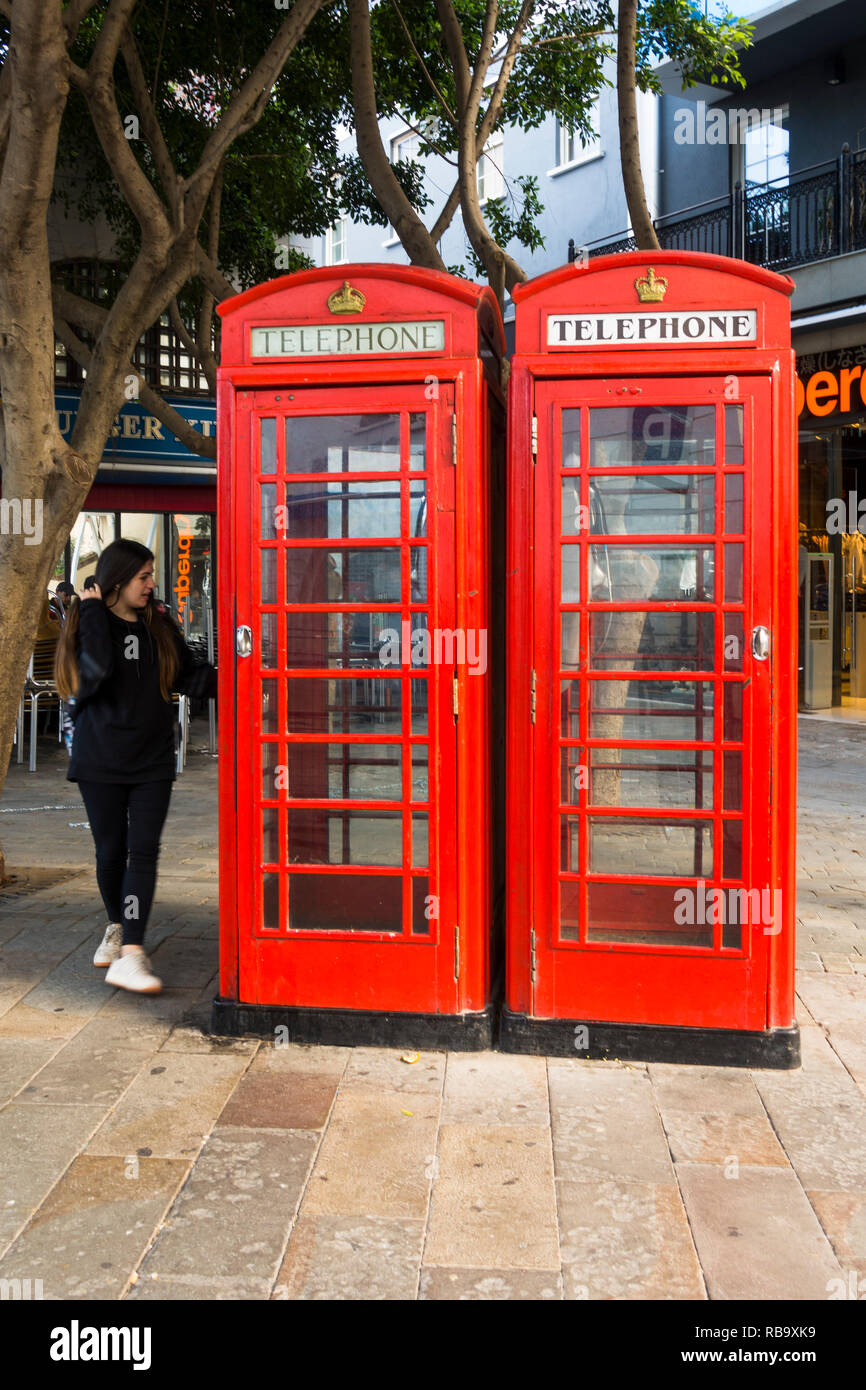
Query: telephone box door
[(652, 772), (347, 801)]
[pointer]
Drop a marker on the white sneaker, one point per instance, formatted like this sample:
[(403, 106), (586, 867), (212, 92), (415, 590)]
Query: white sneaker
[(109, 948), (133, 972)]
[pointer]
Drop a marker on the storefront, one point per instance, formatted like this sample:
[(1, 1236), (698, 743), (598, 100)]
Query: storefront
[(151, 488), (831, 405)]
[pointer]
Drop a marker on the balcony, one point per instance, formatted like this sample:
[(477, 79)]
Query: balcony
[(818, 213)]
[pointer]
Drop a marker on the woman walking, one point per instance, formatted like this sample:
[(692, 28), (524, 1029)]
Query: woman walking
[(119, 658)]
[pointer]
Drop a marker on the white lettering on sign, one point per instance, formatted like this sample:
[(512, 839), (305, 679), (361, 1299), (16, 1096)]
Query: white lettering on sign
[(348, 339), (656, 328)]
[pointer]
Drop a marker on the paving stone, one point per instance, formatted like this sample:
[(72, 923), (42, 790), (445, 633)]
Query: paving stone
[(626, 1241), (22, 1058), (848, 1041), (273, 1100), (493, 1203), (185, 964), (726, 1090), (196, 1288), (843, 1218), (490, 1088), (757, 1236), (491, 1285), (838, 1000), (171, 1107), (377, 1156), (379, 1069), (89, 1234), (37, 1143), (186, 1039), (299, 1057), (595, 1116), (24, 1021), (89, 1070), (369, 1258), (232, 1217), (723, 1139), (821, 1124)]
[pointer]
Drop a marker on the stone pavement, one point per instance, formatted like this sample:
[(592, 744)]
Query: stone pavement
[(142, 1159)]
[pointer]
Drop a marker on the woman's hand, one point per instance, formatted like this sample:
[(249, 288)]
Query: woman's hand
[(93, 592)]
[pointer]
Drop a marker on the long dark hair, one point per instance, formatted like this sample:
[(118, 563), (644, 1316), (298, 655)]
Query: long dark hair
[(119, 562)]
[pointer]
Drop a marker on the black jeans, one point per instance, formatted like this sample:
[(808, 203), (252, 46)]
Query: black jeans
[(126, 822)]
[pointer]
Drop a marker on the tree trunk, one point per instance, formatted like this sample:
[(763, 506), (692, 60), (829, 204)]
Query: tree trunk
[(44, 480), (629, 143), (419, 245)]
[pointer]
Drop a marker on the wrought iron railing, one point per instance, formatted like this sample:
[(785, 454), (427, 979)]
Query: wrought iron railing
[(815, 214)]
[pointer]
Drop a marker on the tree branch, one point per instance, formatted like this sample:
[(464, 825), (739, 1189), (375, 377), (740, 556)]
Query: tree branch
[(149, 120), (212, 276), (384, 182), (149, 399), (629, 140), (247, 106), (74, 13), (440, 98)]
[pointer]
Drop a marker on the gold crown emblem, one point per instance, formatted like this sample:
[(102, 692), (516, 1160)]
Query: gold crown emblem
[(347, 300), (653, 289)]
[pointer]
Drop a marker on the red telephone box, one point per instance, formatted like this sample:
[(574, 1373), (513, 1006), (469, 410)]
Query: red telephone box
[(652, 647), (361, 428)]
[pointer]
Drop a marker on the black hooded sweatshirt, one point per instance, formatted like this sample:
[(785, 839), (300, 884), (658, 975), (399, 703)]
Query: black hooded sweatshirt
[(124, 729)]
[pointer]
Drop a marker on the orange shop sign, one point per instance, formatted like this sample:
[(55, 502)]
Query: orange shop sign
[(825, 392)]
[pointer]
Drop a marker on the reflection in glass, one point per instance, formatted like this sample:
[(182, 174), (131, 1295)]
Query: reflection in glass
[(322, 836), (345, 771), (734, 641), (645, 914), (270, 900), (732, 849), (733, 782), (569, 844), (733, 436), (419, 707), (270, 839), (574, 774), (346, 902), (344, 706), (420, 789), (268, 456), (268, 562), (652, 847), (571, 439), (661, 574), (649, 504), (345, 641), (370, 575), (421, 905), (646, 435), (418, 441), (342, 443), (680, 641), (270, 759), (734, 503), (270, 707), (681, 778), (342, 510), (268, 512), (570, 584), (658, 709), (269, 639), (733, 573), (420, 847), (732, 714)]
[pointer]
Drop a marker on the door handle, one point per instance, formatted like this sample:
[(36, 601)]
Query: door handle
[(243, 641), (760, 643)]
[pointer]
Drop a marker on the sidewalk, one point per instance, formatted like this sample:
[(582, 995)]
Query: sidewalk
[(143, 1159)]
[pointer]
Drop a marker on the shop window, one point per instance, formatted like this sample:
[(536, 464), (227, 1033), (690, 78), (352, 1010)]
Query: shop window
[(160, 355)]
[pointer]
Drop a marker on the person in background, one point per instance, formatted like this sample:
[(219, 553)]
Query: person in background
[(119, 658)]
